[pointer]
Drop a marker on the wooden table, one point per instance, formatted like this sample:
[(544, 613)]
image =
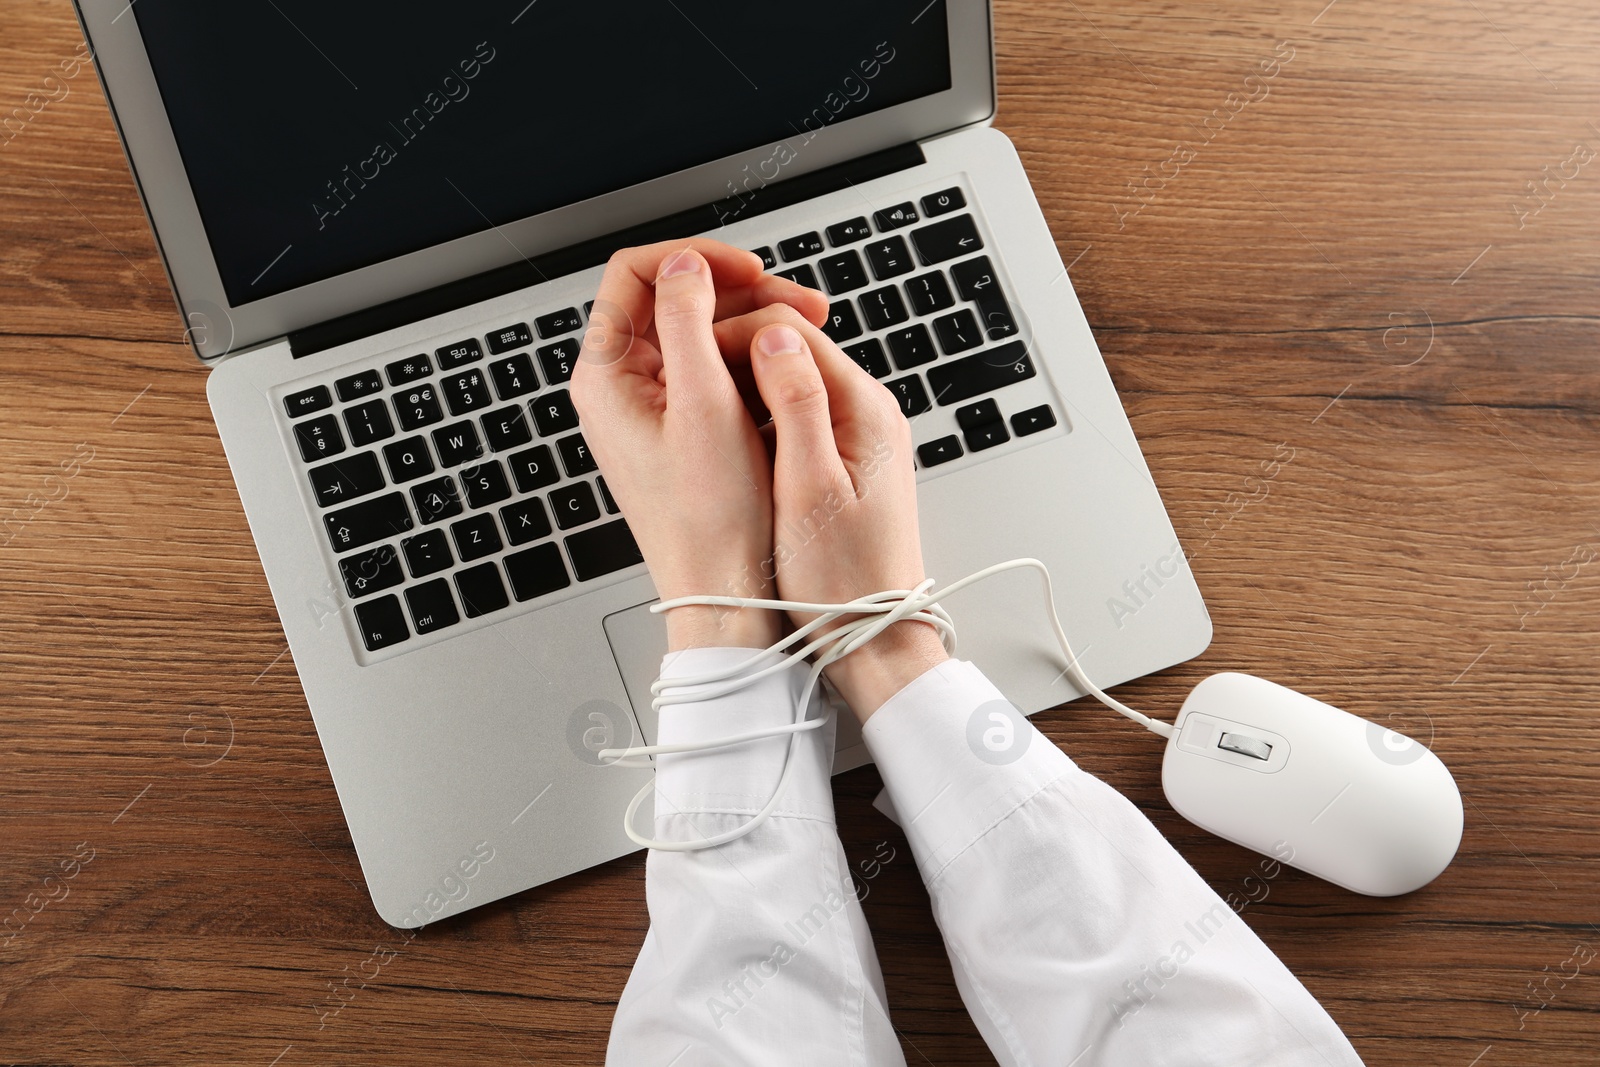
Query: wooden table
[(1344, 264)]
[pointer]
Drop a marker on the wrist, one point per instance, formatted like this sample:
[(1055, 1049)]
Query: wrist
[(700, 626), (894, 659)]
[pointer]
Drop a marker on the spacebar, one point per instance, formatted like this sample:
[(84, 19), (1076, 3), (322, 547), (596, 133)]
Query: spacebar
[(603, 549)]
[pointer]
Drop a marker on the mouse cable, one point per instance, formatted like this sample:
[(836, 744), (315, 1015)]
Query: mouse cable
[(877, 612)]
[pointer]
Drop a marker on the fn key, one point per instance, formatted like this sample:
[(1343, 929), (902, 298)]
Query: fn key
[(381, 623)]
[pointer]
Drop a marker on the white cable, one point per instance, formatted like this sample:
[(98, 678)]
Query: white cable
[(877, 613)]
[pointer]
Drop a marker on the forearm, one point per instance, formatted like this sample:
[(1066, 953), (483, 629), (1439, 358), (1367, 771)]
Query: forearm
[(757, 948), (1077, 934)]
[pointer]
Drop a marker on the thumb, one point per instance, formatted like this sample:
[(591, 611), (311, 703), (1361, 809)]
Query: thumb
[(792, 388)]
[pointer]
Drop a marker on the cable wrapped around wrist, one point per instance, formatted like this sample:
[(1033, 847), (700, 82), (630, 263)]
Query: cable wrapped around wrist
[(874, 614)]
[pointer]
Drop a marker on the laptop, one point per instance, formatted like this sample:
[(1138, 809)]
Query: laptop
[(385, 224)]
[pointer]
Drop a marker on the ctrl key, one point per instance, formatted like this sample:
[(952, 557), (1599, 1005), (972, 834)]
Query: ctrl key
[(432, 606), (381, 622)]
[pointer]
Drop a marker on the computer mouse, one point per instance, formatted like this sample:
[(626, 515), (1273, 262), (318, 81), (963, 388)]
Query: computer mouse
[(1335, 795)]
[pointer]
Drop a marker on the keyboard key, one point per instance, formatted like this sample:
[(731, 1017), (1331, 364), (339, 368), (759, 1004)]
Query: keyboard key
[(476, 537), (843, 272), (381, 623), (457, 443), (346, 479), (982, 413), (603, 549), (849, 232), (807, 244), (946, 240), (975, 281), (368, 572), (982, 425), (605, 496), (506, 428), (575, 457), (408, 459), (452, 356), (958, 331), (357, 386), (943, 450), (307, 401), (371, 520), (513, 377), (883, 308), (929, 293), (481, 589), (427, 553), (319, 438), (559, 359), (768, 260), (436, 500), (911, 347), (895, 217), (869, 356), (368, 422), (432, 606), (889, 258), (508, 337), (465, 393), (485, 484), (943, 202), (956, 380), (803, 275), (402, 371), (842, 323), (983, 437), (417, 407), (525, 521), (554, 413), (574, 505), (912, 396), (557, 323), (536, 571), (534, 469), (1033, 420)]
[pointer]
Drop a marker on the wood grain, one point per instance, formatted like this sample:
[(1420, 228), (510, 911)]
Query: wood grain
[(1334, 272)]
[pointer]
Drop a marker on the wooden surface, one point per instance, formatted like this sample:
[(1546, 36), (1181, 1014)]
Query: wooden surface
[(1345, 274)]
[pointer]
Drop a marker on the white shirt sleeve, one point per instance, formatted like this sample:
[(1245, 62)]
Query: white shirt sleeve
[(758, 951), (1077, 935)]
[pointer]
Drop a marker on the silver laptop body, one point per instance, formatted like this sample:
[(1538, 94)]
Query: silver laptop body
[(464, 749)]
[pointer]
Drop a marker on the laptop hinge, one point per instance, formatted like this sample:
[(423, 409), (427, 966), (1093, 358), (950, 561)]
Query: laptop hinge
[(597, 250)]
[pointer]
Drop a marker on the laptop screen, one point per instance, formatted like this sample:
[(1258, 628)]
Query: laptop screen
[(322, 137)]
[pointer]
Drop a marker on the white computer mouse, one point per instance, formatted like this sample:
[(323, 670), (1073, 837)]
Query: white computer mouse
[(1320, 789)]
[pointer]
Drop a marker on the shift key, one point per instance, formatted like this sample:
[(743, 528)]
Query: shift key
[(369, 521), (962, 379)]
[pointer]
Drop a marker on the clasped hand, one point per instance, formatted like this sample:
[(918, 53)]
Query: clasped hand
[(690, 347)]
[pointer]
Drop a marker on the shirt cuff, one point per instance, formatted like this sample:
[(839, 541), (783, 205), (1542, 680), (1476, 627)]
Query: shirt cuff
[(740, 779), (957, 758)]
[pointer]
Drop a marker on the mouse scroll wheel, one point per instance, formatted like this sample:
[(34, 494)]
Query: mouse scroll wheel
[(1245, 746)]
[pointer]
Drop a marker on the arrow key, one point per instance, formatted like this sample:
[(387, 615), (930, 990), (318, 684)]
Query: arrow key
[(946, 240)]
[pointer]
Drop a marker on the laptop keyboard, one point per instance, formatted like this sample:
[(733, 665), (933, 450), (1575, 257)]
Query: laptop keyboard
[(456, 485), (935, 337)]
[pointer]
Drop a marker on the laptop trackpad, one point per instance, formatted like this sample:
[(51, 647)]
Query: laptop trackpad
[(638, 640)]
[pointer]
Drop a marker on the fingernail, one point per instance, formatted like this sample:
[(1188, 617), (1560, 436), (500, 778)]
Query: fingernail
[(779, 340), (685, 262)]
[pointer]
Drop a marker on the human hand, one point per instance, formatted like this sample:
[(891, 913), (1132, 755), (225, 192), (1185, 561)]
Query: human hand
[(844, 491), (665, 421)]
